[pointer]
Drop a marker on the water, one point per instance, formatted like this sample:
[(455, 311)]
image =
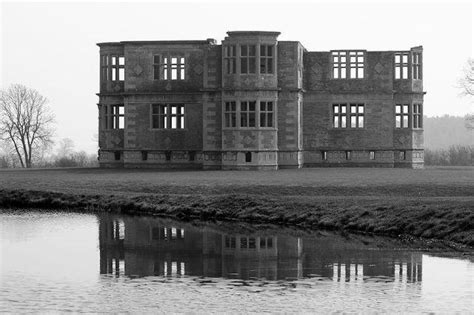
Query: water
[(55, 262)]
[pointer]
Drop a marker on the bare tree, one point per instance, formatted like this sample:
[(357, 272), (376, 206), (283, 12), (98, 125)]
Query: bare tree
[(25, 121), (466, 83)]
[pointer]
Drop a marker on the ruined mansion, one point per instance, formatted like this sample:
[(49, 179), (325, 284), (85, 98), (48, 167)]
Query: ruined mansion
[(254, 102)]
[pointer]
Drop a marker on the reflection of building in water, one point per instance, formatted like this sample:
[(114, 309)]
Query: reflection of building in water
[(137, 246)]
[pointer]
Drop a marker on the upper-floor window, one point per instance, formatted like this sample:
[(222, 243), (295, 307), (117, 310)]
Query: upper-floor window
[(247, 59), (247, 114), (348, 64), (339, 64), (266, 58), (417, 116), (169, 67), (114, 117), (416, 66), (401, 115), (401, 65), (339, 117), (342, 113), (266, 114), (117, 64), (104, 67), (357, 115), (167, 116), (230, 59), (157, 67), (356, 64)]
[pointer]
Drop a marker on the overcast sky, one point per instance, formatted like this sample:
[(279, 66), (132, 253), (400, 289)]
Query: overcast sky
[(51, 46)]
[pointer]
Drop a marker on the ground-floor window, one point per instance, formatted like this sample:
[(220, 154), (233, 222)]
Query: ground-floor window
[(114, 116), (401, 116), (167, 116), (249, 114), (352, 112)]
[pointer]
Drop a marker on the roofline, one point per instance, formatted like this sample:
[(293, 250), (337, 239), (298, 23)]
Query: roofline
[(209, 41), (237, 33)]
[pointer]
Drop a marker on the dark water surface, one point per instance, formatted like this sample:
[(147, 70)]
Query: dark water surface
[(54, 262)]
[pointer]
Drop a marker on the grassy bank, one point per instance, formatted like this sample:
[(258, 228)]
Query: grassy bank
[(431, 203)]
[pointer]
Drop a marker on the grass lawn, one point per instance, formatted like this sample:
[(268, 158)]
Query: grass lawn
[(431, 203)]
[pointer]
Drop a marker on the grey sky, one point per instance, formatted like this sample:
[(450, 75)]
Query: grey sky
[(51, 46)]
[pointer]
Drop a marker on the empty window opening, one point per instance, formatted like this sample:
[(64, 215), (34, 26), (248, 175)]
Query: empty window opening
[(356, 64), (402, 155), (248, 157), (266, 114), (192, 155), (372, 155), (167, 116), (416, 66), (324, 155), (247, 114), (401, 65), (117, 155), (348, 155), (401, 116), (230, 59), (172, 68), (230, 114), (144, 155), (243, 242), (266, 59), (247, 59), (168, 155), (117, 65), (417, 116), (114, 116), (357, 115), (339, 64), (339, 115)]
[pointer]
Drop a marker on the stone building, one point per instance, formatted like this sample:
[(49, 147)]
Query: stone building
[(254, 102)]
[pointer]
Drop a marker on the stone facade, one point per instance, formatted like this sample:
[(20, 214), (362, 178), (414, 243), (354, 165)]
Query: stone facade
[(254, 102)]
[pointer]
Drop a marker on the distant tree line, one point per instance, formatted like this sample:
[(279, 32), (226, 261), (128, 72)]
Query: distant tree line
[(64, 156), (455, 155)]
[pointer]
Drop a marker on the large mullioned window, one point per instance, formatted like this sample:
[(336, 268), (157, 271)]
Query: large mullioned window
[(230, 59), (245, 113), (266, 114), (417, 116), (344, 113), (416, 66), (114, 117), (169, 67), (167, 116), (339, 116), (247, 59), (401, 65), (401, 116), (230, 114), (348, 64), (357, 115), (266, 59)]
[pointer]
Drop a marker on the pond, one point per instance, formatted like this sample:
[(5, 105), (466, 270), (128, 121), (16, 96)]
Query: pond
[(55, 262)]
